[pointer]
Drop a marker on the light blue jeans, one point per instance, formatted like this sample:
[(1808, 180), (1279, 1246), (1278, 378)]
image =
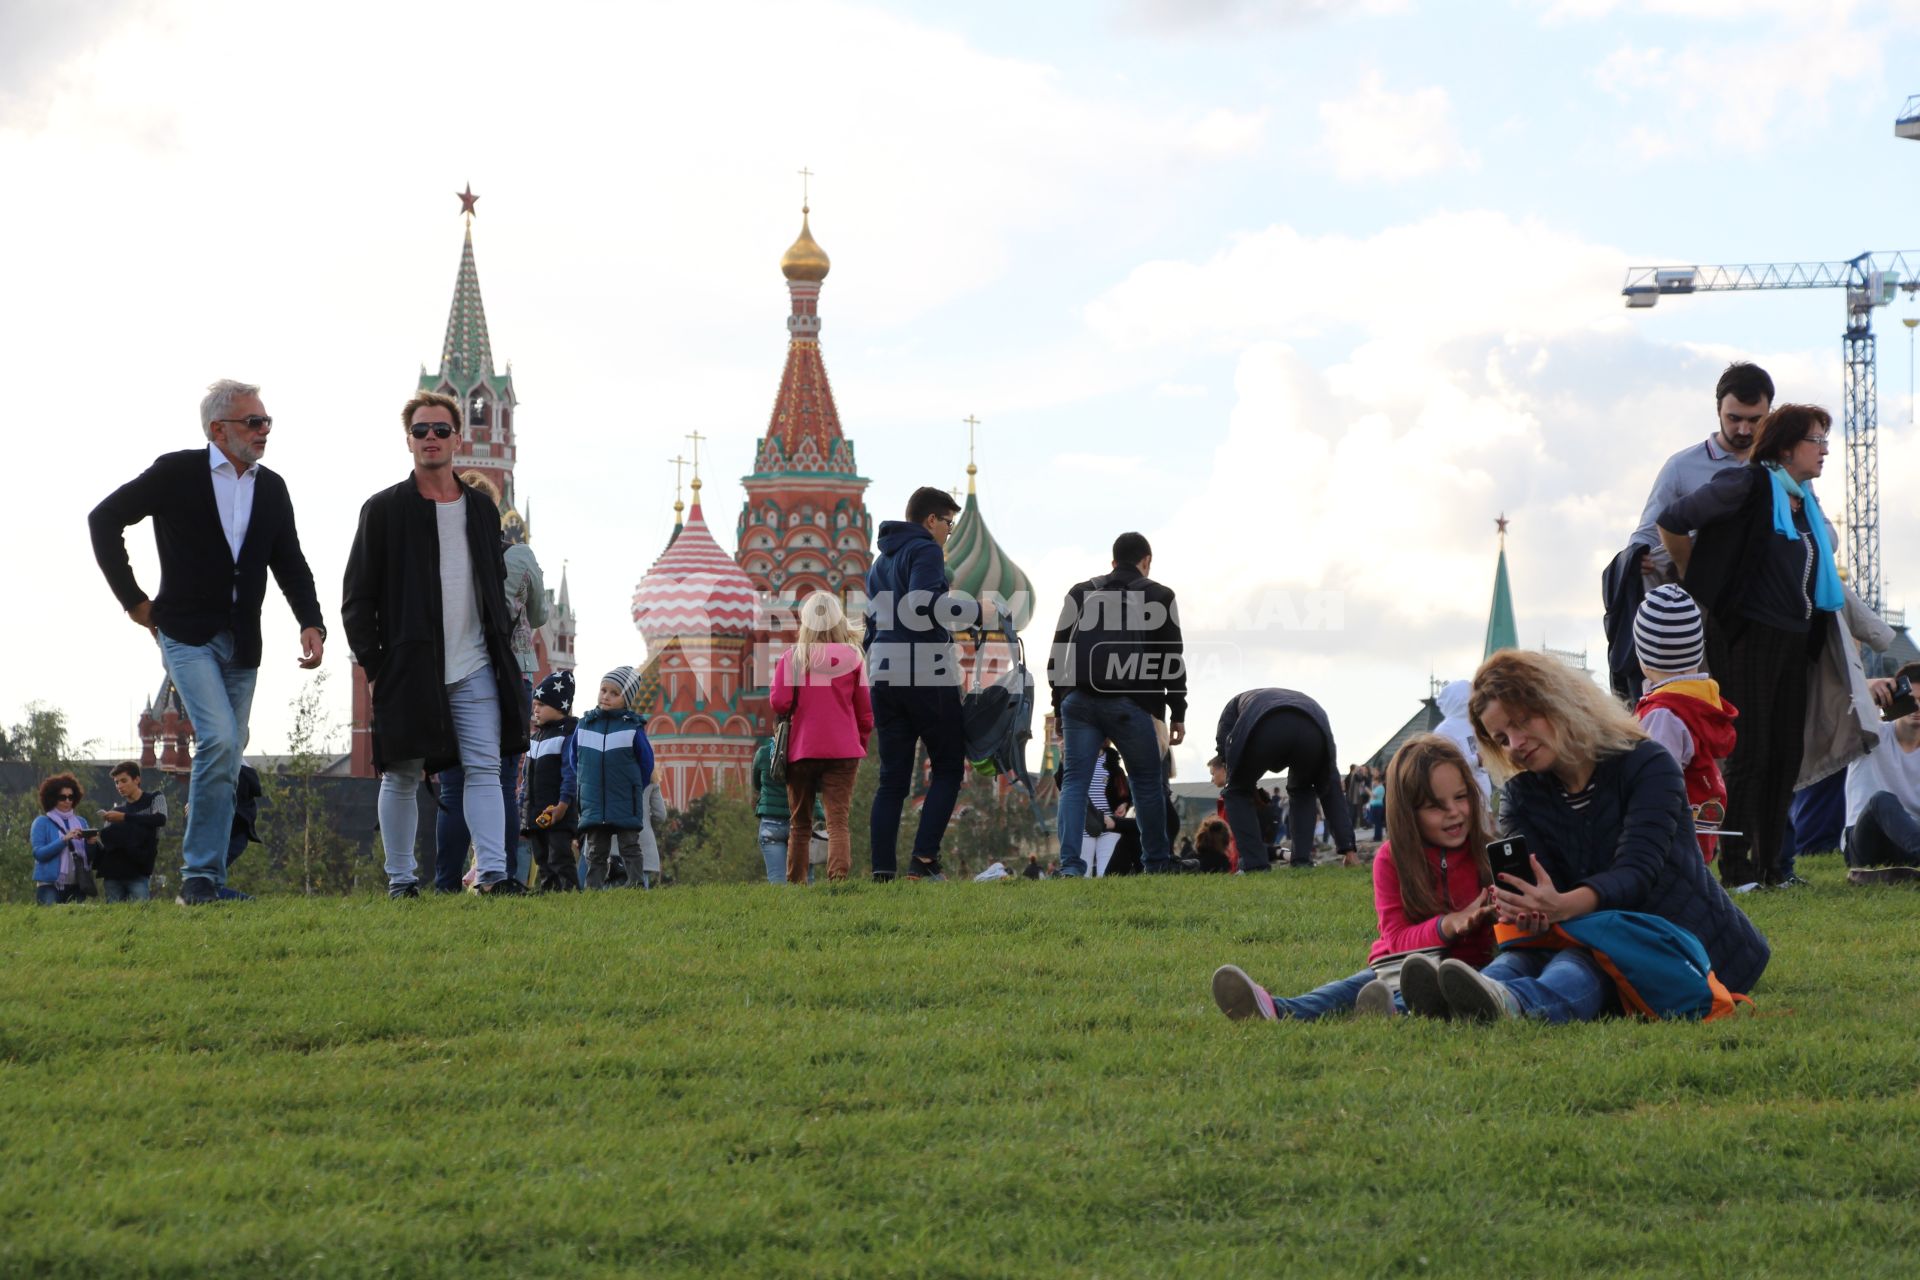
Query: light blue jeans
[(1554, 986), (1337, 996), (137, 890), (1087, 720), (773, 848), (218, 697), (475, 706)]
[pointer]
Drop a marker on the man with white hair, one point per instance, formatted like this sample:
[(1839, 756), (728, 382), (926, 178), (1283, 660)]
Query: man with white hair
[(221, 522)]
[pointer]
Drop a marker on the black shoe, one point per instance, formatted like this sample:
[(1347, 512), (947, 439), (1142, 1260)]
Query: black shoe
[(407, 890), (1791, 882), (197, 891), (1161, 868), (503, 888)]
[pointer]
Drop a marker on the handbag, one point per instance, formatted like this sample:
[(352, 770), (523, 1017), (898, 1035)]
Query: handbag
[(84, 885), (782, 736)]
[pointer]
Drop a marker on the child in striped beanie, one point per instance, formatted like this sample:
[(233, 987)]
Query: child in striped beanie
[(1682, 709)]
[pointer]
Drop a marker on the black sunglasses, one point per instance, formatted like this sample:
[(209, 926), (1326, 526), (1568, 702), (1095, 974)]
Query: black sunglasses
[(252, 422), (65, 795), (440, 430)]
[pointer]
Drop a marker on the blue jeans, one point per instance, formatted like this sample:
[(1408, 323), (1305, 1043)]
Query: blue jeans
[(1087, 720), (51, 895), (218, 697), (450, 834), (903, 716), (138, 890), (773, 848), (1554, 986), (1885, 836), (1337, 996), (475, 706)]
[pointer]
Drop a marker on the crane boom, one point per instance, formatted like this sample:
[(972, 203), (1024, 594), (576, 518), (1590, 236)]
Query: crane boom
[(1870, 280)]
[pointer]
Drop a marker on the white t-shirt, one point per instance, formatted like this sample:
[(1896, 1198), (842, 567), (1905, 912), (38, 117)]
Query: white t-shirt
[(459, 598), (1885, 768)]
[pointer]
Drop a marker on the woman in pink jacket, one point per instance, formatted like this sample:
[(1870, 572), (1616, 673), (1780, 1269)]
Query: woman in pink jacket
[(821, 682), (1430, 892)]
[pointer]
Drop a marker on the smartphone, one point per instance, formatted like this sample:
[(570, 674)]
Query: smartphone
[(1902, 703), (1510, 856), (87, 833)]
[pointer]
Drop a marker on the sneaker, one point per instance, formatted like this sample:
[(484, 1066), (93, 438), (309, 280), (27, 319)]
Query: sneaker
[(1883, 875), (1473, 996), (501, 889), (924, 870), (1241, 997), (197, 891), (1791, 882), (407, 890), (1375, 1001), (225, 894), (1420, 988)]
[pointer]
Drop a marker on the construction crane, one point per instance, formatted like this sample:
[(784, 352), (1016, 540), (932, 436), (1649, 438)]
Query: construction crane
[(1870, 280), (1907, 123)]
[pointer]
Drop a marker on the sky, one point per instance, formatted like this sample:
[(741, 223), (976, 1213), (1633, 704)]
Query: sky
[(1307, 291)]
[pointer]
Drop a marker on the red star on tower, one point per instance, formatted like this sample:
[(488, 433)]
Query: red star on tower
[(467, 199)]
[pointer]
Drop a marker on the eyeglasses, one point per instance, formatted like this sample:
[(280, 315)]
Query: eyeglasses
[(65, 795), (255, 422), (440, 430), (946, 520), (1818, 442)]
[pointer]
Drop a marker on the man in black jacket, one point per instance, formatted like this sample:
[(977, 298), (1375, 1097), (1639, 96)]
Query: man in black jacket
[(1118, 671), (1266, 731), (221, 522), (129, 838), (425, 612)]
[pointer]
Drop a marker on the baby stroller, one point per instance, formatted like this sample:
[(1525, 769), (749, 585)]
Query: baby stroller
[(997, 717)]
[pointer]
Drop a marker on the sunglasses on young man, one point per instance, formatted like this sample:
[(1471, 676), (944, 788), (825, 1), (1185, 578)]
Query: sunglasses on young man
[(440, 430)]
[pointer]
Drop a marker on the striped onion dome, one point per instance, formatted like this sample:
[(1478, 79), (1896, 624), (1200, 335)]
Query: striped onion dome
[(981, 570), (694, 589)]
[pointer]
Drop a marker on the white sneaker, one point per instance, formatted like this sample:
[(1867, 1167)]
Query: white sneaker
[(1420, 988), (1375, 1001), (1473, 996)]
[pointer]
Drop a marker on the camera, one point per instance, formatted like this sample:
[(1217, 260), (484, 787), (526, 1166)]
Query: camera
[(1902, 703)]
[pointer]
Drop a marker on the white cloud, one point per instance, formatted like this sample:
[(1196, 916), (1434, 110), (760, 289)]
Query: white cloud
[(1380, 136)]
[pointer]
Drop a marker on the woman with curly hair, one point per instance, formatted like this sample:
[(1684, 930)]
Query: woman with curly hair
[(59, 850), (1604, 812)]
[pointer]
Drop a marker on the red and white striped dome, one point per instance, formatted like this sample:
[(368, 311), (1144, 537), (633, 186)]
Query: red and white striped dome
[(694, 589)]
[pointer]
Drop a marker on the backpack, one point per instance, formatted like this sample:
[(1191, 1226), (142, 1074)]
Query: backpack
[(1659, 969), (997, 716)]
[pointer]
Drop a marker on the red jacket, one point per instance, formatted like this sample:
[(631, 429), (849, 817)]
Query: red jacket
[(832, 714), (1459, 885), (1709, 719)]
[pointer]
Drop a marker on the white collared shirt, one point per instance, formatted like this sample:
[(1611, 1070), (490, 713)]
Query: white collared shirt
[(233, 495)]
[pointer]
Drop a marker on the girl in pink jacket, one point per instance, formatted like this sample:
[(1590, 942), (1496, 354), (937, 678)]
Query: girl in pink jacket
[(1430, 891), (821, 682)]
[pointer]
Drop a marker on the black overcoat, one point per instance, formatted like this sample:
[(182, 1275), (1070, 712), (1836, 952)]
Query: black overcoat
[(390, 610)]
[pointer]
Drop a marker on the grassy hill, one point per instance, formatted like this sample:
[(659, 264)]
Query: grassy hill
[(1014, 1079)]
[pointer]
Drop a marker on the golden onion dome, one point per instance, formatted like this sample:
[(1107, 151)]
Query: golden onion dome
[(805, 260)]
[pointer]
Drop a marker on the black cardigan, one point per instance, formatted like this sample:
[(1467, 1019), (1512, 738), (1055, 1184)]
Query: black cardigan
[(1634, 846), (202, 590), (390, 610)]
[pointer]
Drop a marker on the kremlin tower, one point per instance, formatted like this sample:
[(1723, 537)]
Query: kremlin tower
[(804, 526)]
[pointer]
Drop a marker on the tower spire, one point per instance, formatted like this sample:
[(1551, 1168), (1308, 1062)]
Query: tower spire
[(678, 464), (466, 355), (1501, 632), (972, 423), (696, 437)]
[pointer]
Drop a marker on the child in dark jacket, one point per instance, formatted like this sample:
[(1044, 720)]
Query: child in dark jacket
[(608, 763), (1430, 892), (1682, 709), (550, 817)]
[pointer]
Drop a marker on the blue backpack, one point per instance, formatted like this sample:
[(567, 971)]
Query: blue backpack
[(1659, 969)]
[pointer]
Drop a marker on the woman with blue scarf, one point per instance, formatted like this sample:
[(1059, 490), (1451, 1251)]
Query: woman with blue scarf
[(1761, 567)]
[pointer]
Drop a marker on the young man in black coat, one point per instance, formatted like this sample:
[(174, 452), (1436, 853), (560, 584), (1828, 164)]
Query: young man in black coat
[(129, 838), (1118, 672), (221, 522), (425, 612)]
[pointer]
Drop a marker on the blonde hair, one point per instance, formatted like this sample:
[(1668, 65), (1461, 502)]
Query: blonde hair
[(478, 480), (1409, 790), (1584, 724), (438, 400), (823, 622)]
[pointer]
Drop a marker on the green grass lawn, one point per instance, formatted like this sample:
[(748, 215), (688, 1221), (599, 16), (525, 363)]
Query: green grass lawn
[(918, 1079)]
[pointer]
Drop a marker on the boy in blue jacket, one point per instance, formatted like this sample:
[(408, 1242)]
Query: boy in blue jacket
[(607, 764)]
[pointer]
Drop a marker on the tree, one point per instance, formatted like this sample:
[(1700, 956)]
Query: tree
[(714, 839), (305, 851)]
